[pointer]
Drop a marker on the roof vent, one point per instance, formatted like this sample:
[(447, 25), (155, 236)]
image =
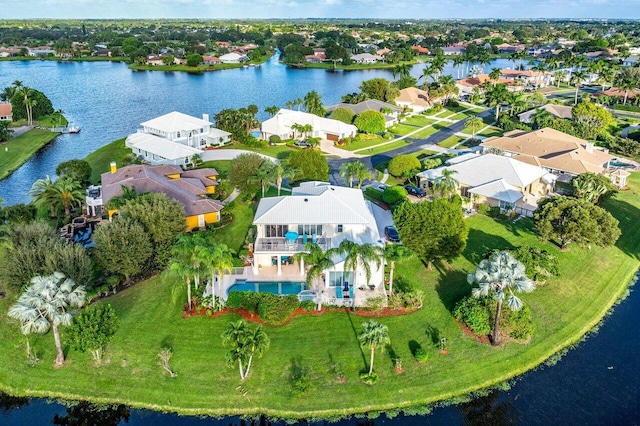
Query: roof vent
[(306, 199), (333, 189)]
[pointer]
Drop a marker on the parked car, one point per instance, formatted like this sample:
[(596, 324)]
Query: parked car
[(302, 144), (391, 233), (414, 190), (380, 186)]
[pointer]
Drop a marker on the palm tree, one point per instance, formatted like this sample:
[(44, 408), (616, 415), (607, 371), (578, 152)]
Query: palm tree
[(484, 60), (437, 64), (402, 69), (219, 259), (185, 271), (474, 123), (496, 95), (427, 72), (517, 103), (42, 194), (495, 74), (361, 172), (272, 110), (374, 335), (347, 172), (258, 343), (541, 118), (360, 255), (44, 304), (501, 276), (266, 174), (577, 78), (284, 171), (236, 336), (289, 104), (457, 61), (318, 261), (68, 193), (313, 104), (446, 184), (27, 94), (627, 79), (393, 253), (298, 102), (558, 76)]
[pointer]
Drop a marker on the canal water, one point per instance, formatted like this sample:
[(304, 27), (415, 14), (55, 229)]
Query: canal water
[(596, 384)]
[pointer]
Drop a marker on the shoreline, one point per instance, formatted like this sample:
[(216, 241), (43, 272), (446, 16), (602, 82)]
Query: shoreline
[(46, 139)]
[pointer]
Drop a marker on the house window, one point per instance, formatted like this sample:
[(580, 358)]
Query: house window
[(339, 278), (178, 134), (506, 206), (273, 231), (310, 229), (339, 228)]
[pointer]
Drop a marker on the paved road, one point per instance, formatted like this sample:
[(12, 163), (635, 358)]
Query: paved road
[(416, 145)]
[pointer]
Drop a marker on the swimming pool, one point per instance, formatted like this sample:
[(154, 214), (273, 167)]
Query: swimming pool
[(281, 287)]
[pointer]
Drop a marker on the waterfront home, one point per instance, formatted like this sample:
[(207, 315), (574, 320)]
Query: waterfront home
[(316, 58), (6, 111), (631, 61), (174, 138), (324, 128), (391, 112), (416, 99), (190, 188), (210, 60), (466, 85), (366, 58), (233, 58), (495, 180), (40, 51), (419, 50), (558, 111), (325, 214), (557, 152), (528, 77), (453, 50), (510, 48)]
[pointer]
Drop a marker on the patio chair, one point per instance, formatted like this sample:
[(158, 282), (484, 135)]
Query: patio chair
[(339, 293), (304, 239), (314, 238), (352, 292)]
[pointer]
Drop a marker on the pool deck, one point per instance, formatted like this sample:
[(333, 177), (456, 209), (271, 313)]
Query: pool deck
[(292, 273)]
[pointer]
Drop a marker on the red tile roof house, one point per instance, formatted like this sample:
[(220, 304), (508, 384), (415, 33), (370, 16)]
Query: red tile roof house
[(6, 112), (211, 60)]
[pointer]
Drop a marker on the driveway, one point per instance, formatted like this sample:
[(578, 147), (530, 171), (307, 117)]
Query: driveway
[(383, 218)]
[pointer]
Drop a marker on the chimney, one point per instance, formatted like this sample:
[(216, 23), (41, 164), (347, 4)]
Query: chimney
[(589, 147), (205, 117), (112, 167)]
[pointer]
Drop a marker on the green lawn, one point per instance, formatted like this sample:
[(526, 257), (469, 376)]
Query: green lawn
[(384, 148), (234, 234), (562, 311), (221, 166), (365, 142), (102, 157), (451, 141), (17, 151), (403, 129), (277, 151), (418, 120)]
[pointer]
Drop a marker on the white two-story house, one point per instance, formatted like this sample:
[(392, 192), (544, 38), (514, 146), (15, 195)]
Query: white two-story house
[(324, 214), (175, 138)]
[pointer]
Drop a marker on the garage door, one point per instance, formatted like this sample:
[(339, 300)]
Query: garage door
[(332, 137)]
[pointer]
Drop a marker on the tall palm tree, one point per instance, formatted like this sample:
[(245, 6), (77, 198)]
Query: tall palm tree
[(284, 171), (457, 61), (313, 104), (374, 335), (474, 123), (318, 261), (501, 276), (517, 102), (427, 73), (392, 254), (558, 76), (289, 104), (495, 74), (446, 185), (360, 255), (577, 79), (219, 259), (68, 193), (402, 69), (484, 59), (272, 110), (27, 94), (361, 172), (437, 64), (43, 194), (266, 174), (237, 337), (44, 305), (627, 79), (496, 95), (258, 343), (347, 172), (185, 271)]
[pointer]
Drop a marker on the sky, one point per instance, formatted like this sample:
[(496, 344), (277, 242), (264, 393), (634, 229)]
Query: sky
[(416, 9)]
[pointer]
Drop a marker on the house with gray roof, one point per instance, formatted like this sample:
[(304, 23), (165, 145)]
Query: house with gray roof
[(391, 112)]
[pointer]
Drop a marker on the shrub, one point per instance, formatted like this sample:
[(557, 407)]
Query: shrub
[(413, 299), (474, 314), (394, 194), (373, 193), (343, 114), (453, 103), (396, 301), (432, 163), (404, 165), (421, 355), (274, 139), (370, 379), (248, 300), (308, 305), (374, 303), (518, 323), (299, 377), (370, 122), (488, 210), (274, 309)]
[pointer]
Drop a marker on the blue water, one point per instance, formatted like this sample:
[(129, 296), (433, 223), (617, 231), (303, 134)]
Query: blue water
[(109, 101), (283, 288)]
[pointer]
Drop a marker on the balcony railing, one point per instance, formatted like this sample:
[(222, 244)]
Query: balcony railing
[(284, 245)]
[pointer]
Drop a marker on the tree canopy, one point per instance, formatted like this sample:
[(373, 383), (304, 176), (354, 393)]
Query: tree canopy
[(242, 172), (76, 170), (379, 88), (572, 220), (310, 163), (433, 230), (342, 114), (370, 122), (591, 119), (404, 165)]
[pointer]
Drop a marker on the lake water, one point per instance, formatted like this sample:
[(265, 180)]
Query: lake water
[(598, 383), (109, 101)]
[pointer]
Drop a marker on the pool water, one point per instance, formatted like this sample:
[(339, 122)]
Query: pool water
[(282, 288)]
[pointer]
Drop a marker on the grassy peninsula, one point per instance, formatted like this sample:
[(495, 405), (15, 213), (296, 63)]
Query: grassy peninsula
[(17, 151), (563, 311)]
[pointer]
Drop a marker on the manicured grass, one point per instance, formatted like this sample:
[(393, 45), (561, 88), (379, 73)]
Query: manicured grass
[(424, 133), (365, 142), (418, 120), (384, 148), (53, 120), (15, 152), (234, 234), (277, 151), (100, 159), (451, 141), (403, 129), (562, 311), (221, 166)]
